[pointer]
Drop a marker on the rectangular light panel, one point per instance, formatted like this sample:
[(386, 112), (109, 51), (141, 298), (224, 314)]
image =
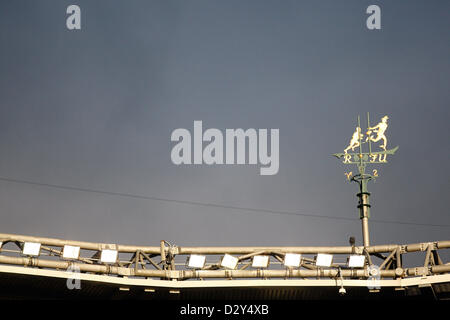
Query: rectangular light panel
[(71, 252), (324, 260), (108, 256), (292, 260), (260, 262), (196, 261), (356, 261), (31, 248), (229, 262)]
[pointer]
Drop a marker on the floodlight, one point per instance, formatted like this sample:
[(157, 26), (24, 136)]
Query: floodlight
[(31, 248), (71, 252), (260, 262), (324, 260), (292, 260), (229, 262), (356, 261), (196, 261), (108, 256)]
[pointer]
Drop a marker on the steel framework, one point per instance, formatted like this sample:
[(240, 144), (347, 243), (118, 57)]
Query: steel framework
[(168, 262)]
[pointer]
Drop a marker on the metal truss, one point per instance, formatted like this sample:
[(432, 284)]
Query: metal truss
[(169, 262)]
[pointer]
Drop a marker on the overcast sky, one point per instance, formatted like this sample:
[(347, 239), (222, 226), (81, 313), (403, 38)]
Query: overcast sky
[(95, 108)]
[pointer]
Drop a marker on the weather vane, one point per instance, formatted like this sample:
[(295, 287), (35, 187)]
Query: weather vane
[(361, 160)]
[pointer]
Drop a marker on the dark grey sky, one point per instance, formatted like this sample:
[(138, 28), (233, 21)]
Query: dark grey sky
[(95, 109)]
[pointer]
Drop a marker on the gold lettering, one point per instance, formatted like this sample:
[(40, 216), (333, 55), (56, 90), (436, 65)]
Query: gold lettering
[(347, 158)]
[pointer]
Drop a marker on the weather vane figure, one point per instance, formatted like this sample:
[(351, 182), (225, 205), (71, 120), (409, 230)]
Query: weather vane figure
[(356, 138), (361, 160), (379, 129)]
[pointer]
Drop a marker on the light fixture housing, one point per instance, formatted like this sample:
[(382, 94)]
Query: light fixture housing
[(229, 262), (31, 248), (260, 261), (356, 261), (324, 260), (196, 261), (71, 252), (292, 260), (109, 256)]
